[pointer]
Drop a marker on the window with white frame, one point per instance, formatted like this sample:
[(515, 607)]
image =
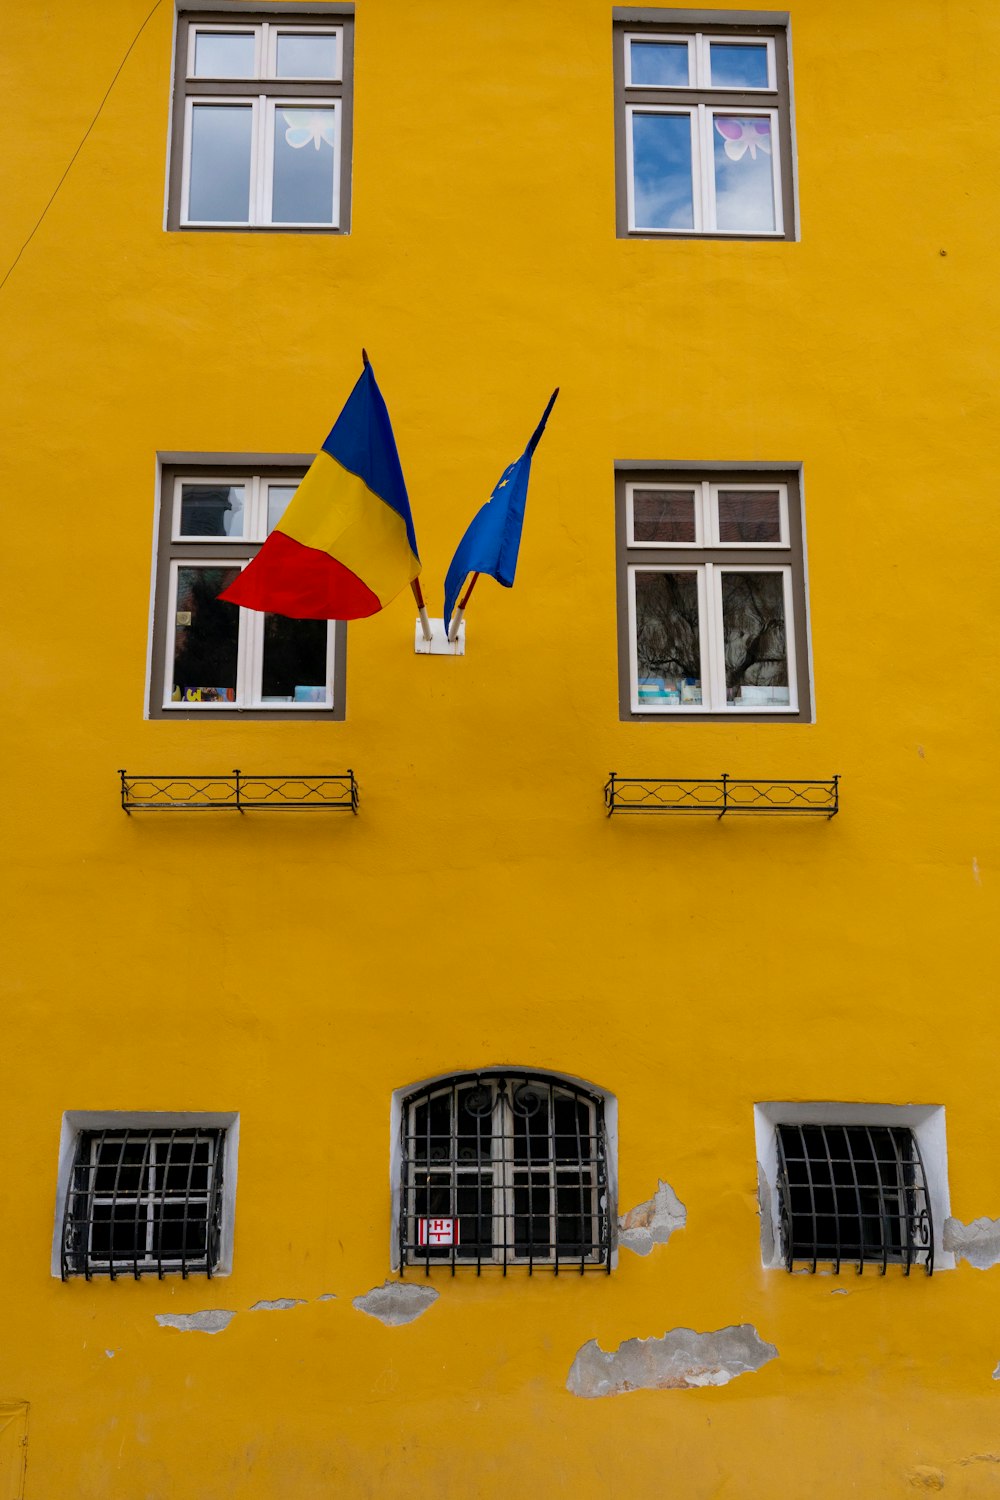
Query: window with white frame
[(145, 1194), (704, 131), (712, 608), (504, 1168), (261, 133), (211, 657)]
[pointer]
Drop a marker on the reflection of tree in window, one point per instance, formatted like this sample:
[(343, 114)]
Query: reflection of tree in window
[(667, 636), (205, 649), (753, 614)]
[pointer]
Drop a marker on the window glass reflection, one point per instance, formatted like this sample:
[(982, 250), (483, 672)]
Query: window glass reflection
[(663, 516), (659, 64), (212, 509), (303, 166), (661, 156), (306, 56), (738, 66), (206, 635), (668, 639), (744, 184), (219, 54), (756, 645), (294, 669), (219, 189)]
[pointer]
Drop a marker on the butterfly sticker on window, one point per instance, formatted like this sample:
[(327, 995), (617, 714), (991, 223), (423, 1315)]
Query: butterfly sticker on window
[(316, 126), (741, 136)]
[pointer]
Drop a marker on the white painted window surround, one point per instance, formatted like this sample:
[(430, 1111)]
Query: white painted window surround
[(75, 1121), (927, 1121)]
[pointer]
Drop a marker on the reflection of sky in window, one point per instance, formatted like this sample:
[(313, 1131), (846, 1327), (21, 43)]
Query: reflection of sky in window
[(303, 171), (736, 67), (662, 64), (278, 496), (219, 54), (306, 56), (661, 157), (744, 187), (220, 163)]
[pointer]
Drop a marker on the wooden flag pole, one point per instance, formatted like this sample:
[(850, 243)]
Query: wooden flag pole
[(425, 623), (456, 618)]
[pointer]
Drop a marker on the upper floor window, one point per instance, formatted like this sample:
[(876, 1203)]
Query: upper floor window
[(504, 1168), (261, 135), (703, 125), (209, 656), (712, 607)]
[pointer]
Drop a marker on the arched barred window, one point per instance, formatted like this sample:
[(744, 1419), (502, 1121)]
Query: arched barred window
[(504, 1168)]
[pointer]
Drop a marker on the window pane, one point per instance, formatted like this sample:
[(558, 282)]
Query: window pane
[(303, 166), (744, 184), (668, 638), (659, 64), (306, 56), (294, 660), (663, 516), (118, 1231), (206, 632), (212, 509), (223, 54), (661, 166), (278, 496), (220, 163), (737, 67), (749, 516), (753, 624)]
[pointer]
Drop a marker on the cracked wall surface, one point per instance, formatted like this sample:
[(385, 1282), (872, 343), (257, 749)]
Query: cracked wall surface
[(653, 1222), (280, 1304), (215, 1320), (396, 1302), (977, 1242), (679, 1360)]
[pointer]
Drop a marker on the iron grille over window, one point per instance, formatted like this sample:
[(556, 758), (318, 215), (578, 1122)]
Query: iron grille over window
[(144, 1201), (853, 1193), (503, 1169)]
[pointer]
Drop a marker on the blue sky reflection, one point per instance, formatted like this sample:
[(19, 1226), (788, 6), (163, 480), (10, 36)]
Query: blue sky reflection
[(738, 67), (659, 64), (661, 156), (744, 186)]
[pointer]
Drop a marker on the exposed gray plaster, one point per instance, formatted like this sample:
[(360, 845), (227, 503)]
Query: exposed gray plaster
[(653, 1222), (996, 1373), (213, 1321), (679, 1360), (280, 1304), (978, 1242), (396, 1302), (766, 1220), (327, 1297)]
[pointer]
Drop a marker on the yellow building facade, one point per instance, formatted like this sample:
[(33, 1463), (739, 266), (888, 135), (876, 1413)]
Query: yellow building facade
[(528, 197)]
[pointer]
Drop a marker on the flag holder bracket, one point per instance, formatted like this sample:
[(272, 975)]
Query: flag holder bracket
[(439, 644)]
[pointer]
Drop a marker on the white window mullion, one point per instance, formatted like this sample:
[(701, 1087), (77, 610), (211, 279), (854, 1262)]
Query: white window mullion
[(698, 169), (713, 639), (707, 175), (260, 191), (779, 223), (503, 1196), (251, 658), (793, 692)]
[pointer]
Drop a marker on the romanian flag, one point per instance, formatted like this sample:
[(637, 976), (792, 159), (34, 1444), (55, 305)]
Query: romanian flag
[(345, 546)]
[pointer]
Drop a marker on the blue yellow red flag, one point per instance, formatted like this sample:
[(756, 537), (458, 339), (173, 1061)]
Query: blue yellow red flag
[(491, 543), (345, 545)]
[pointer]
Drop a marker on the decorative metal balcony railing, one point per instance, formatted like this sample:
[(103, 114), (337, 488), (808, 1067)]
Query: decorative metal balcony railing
[(238, 793), (721, 795)]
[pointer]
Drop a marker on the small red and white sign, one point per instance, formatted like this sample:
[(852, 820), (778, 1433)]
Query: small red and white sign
[(437, 1231)]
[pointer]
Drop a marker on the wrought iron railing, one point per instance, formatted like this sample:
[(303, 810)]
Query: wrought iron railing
[(238, 793), (721, 795)]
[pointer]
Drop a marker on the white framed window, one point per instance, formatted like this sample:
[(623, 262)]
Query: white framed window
[(210, 657), (848, 1185), (704, 131), (145, 1194), (505, 1168), (261, 124), (711, 570)]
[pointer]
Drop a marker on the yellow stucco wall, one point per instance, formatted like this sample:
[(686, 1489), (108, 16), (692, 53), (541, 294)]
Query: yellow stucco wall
[(481, 909)]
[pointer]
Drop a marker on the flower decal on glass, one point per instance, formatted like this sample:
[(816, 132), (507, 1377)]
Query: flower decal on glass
[(315, 126), (741, 136)]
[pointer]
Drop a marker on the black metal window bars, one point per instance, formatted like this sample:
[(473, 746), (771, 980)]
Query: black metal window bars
[(143, 1201), (238, 793), (721, 795), (504, 1169), (853, 1193)]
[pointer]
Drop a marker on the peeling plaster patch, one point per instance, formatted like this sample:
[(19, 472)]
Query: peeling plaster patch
[(766, 1221), (676, 1362), (923, 1477), (327, 1297), (653, 1222), (112, 1352), (978, 1242), (975, 871), (213, 1321), (280, 1304), (396, 1302), (840, 1291), (996, 1373)]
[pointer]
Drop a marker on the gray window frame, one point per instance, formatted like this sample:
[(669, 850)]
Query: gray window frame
[(667, 23), (185, 88), (792, 556), (275, 467)]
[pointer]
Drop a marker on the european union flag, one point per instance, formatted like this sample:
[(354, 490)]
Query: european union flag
[(491, 543)]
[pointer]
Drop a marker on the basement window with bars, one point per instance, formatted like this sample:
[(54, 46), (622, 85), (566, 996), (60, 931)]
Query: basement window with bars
[(853, 1194), (142, 1201), (504, 1169)]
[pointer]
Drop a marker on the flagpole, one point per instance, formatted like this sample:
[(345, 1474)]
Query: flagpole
[(456, 618), (425, 623)]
